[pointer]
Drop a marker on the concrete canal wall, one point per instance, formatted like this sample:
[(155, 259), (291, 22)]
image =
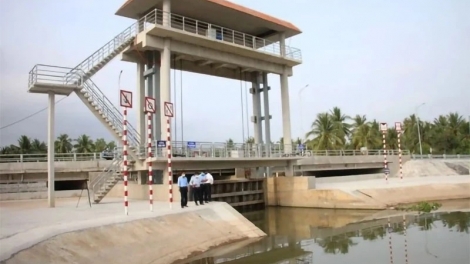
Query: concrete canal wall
[(84, 235)]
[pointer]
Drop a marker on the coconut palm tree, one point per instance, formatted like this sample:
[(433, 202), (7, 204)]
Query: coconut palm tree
[(324, 133), (343, 129), (38, 147), (63, 144), (84, 144), (100, 145), (24, 144)]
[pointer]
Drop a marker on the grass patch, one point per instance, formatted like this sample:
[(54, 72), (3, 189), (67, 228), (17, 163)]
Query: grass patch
[(421, 207)]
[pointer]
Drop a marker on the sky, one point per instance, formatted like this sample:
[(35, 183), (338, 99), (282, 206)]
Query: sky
[(376, 58)]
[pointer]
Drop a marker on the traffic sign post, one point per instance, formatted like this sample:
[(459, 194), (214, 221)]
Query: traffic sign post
[(191, 145), (168, 111), (399, 130), (125, 98), (383, 128), (126, 102), (150, 108), (161, 144)]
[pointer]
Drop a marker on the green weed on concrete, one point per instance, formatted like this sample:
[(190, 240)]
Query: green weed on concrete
[(421, 207)]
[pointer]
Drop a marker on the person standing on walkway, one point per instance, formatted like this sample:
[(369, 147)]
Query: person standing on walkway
[(195, 184), (208, 187), (203, 180), (183, 186)]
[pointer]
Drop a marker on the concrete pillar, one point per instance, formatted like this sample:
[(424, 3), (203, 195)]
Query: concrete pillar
[(51, 152), (140, 92), (267, 116), (286, 127), (282, 43), (156, 118), (165, 84), (255, 91), (166, 7), (289, 169)]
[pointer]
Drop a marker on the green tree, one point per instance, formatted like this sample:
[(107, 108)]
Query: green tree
[(24, 145), (324, 133), (38, 147), (63, 144), (100, 145), (84, 144)]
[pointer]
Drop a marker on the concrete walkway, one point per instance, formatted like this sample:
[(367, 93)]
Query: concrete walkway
[(26, 223), (393, 183)]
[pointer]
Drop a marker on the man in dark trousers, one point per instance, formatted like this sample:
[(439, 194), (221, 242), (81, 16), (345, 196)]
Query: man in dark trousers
[(183, 186), (195, 184)]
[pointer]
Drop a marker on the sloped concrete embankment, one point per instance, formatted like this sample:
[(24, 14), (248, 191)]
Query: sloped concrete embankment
[(158, 240), (424, 168), (300, 192)]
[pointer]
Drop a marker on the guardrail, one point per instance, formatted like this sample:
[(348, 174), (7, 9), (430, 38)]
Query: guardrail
[(441, 156), (202, 150), (215, 32)]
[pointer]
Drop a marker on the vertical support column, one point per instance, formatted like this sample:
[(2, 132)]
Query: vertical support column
[(124, 157), (285, 105), (165, 92), (156, 120), (166, 7), (255, 91), (267, 116), (140, 102), (51, 152), (282, 43), (149, 156)]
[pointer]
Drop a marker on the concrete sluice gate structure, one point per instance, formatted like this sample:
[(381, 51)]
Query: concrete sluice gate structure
[(200, 36)]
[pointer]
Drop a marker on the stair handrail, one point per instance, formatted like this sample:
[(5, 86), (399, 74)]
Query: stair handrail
[(113, 114), (107, 49), (98, 182), (109, 107)]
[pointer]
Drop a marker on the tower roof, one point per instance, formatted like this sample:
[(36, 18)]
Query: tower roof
[(218, 12)]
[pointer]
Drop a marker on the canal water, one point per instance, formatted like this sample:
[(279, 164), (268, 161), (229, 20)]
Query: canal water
[(301, 236)]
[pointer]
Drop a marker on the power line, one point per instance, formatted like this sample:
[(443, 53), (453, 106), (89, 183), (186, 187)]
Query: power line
[(31, 115)]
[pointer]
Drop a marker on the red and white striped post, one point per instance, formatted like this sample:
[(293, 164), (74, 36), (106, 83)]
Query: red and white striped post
[(390, 241), (150, 108), (398, 129), (168, 110), (383, 128), (406, 241), (126, 102)]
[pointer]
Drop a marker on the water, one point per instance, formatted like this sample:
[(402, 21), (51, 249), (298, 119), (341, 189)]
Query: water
[(297, 235)]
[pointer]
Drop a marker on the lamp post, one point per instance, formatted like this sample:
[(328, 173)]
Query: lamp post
[(301, 110), (419, 134)]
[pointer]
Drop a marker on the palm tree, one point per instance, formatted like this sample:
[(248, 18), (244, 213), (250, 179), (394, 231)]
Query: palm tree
[(38, 146), (100, 145), (24, 145), (84, 144), (229, 143), (343, 129), (63, 144), (364, 133), (325, 134), (111, 145)]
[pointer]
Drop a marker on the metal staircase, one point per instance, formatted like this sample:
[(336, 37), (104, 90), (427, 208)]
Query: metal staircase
[(103, 184)]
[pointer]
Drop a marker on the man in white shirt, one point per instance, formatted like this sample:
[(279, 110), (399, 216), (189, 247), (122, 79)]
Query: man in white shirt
[(208, 187), (195, 184)]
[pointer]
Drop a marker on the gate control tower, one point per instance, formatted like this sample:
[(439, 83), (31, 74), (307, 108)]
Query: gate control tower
[(214, 37)]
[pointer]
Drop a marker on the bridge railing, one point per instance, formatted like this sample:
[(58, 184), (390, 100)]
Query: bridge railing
[(441, 156), (11, 158), (202, 150)]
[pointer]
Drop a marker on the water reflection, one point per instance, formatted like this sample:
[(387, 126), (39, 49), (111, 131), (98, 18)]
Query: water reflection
[(329, 236)]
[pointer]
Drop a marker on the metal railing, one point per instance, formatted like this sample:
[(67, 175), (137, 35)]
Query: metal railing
[(12, 158), (42, 73), (441, 156), (215, 32), (111, 113), (97, 183), (205, 150)]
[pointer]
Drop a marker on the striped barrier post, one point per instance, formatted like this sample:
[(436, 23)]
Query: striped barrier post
[(150, 108), (406, 242), (168, 110), (383, 128), (390, 241), (125, 102), (399, 130)]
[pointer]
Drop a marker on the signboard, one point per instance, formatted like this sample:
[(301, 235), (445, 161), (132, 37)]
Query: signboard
[(161, 144), (125, 98), (168, 109), (398, 126), (387, 171), (301, 146), (150, 105), (191, 144), (383, 127)]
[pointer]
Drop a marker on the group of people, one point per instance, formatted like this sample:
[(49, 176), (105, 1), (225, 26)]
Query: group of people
[(201, 186)]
